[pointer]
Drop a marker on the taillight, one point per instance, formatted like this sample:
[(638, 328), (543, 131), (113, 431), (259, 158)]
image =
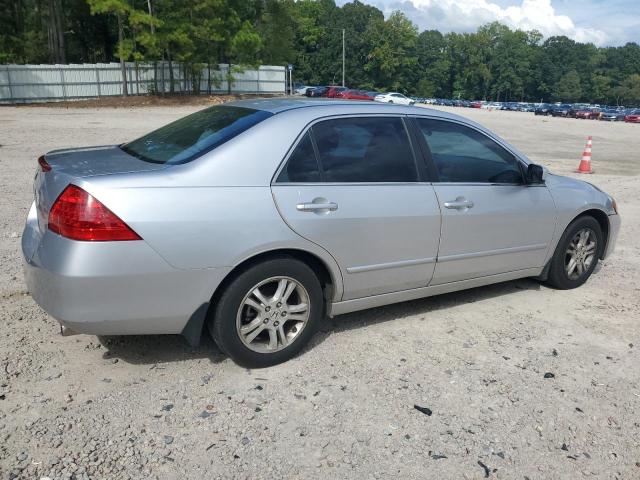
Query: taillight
[(79, 216), (43, 164)]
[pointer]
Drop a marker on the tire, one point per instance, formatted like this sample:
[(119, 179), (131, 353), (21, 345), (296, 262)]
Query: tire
[(234, 311), (561, 275)]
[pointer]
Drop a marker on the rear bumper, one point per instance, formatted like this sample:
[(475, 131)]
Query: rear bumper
[(614, 229), (111, 288)]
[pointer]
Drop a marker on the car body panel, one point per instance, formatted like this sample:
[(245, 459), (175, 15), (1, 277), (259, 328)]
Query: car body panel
[(201, 220), (110, 288), (574, 197), (509, 227), (384, 236)]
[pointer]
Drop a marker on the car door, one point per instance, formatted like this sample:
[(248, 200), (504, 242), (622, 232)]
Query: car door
[(352, 186), (492, 221)]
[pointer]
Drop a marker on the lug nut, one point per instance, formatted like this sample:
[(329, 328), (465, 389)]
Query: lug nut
[(284, 314), (266, 309), (279, 305), (276, 323), (266, 320)]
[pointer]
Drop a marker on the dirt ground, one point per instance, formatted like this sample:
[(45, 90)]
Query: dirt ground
[(152, 407)]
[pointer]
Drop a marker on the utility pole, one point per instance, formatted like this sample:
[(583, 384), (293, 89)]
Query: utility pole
[(343, 57)]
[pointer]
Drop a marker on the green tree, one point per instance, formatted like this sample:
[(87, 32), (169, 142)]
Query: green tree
[(567, 88), (393, 60), (120, 9)]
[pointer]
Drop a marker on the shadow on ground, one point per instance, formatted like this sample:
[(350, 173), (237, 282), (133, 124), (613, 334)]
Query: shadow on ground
[(150, 349)]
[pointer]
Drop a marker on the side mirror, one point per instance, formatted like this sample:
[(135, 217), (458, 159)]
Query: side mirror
[(534, 174)]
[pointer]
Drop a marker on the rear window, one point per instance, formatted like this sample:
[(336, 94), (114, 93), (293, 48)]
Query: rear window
[(191, 136)]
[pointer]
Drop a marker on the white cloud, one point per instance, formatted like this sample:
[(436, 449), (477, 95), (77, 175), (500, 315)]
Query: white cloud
[(467, 15)]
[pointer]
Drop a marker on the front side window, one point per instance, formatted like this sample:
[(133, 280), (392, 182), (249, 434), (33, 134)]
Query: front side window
[(367, 149), (464, 155), (191, 136)]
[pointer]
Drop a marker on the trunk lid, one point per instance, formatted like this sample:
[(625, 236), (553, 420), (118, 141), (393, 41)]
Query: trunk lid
[(72, 165), (92, 161)]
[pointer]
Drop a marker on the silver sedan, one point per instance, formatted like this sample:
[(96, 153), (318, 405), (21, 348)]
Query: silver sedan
[(256, 219)]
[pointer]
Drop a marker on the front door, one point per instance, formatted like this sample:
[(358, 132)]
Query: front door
[(492, 222), (351, 185)]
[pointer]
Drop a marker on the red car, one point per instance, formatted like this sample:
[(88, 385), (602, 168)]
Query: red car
[(588, 113), (633, 117), (335, 91), (356, 95), (476, 104)]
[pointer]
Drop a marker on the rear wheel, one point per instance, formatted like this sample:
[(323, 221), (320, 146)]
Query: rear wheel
[(577, 254), (268, 312)]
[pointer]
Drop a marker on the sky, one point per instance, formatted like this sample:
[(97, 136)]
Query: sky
[(602, 22)]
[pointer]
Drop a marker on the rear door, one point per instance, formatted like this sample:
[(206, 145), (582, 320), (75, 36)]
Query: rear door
[(492, 222), (352, 186)]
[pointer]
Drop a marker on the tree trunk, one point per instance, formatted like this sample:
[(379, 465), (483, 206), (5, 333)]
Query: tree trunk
[(55, 33), (155, 77), (59, 28), (171, 89), (153, 29), (229, 76), (123, 67)]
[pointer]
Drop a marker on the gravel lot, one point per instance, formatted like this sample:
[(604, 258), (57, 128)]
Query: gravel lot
[(152, 407)]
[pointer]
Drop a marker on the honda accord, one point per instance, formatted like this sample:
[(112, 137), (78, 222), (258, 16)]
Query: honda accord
[(255, 219)]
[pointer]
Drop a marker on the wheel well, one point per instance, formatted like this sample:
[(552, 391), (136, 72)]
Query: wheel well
[(603, 219), (315, 263)]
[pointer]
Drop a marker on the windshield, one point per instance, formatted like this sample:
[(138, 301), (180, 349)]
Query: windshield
[(191, 136)]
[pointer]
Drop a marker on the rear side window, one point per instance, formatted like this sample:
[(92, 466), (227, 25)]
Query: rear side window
[(371, 149), (462, 154), (194, 135), (302, 166)]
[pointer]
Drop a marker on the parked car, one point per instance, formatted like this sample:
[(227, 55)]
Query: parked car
[(357, 95), (588, 113), (564, 110), (302, 90), (543, 109), (393, 97), (256, 218), (335, 91), (476, 104), (612, 115), (526, 107), (633, 117), (492, 106), (317, 92)]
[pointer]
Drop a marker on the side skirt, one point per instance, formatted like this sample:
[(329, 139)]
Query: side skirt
[(348, 306)]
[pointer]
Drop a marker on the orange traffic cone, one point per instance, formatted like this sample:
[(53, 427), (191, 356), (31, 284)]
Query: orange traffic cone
[(585, 163)]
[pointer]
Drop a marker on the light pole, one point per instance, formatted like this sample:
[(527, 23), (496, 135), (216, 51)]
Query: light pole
[(343, 57), (343, 52)]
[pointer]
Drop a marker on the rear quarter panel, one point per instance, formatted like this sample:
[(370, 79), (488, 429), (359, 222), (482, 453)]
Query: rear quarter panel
[(207, 227)]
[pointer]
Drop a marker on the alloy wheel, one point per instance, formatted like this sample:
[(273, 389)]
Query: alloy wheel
[(273, 314), (580, 254)]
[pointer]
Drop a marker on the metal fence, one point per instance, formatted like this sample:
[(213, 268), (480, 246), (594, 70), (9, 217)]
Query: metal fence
[(43, 83)]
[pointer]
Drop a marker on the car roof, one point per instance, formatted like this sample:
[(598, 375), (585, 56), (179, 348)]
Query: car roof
[(278, 105)]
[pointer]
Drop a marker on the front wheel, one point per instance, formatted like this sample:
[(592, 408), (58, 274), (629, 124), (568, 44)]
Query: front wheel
[(268, 313), (577, 254)]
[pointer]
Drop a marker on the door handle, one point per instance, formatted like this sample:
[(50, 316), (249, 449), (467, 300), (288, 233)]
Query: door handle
[(459, 203), (314, 207)]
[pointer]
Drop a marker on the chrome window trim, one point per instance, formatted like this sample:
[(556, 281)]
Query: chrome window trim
[(309, 126), (353, 184), (522, 162)]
